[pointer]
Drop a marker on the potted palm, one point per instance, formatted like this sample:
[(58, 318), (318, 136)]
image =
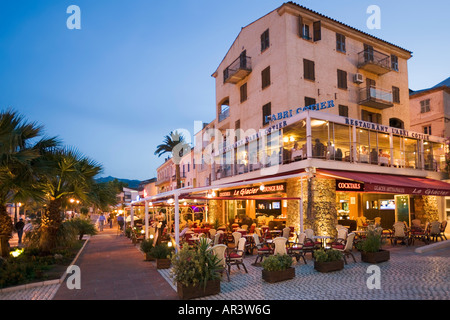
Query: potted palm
[(146, 248), (162, 253), (370, 247), (277, 268), (196, 271), (328, 260)]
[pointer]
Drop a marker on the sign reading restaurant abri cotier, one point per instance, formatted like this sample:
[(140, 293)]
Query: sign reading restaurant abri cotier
[(251, 191)]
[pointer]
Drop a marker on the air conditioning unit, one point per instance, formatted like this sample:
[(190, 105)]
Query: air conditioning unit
[(358, 78)]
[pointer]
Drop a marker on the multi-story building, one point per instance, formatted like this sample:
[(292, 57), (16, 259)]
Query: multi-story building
[(313, 118), (430, 110), (165, 173)]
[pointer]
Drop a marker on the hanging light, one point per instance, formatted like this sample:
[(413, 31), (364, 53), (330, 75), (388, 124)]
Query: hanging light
[(262, 187)]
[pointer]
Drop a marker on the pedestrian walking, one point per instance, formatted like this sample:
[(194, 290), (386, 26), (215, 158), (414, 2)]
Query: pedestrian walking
[(111, 217), (19, 228), (101, 221), (120, 222)]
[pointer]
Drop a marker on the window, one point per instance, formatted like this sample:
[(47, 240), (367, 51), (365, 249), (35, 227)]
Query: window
[(370, 116), (395, 94), (266, 113), (427, 129), (308, 69), (237, 127), (343, 110), (304, 29), (425, 106), (309, 101), (340, 42), (396, 123), (394, 62), (243, 90), (342, 79), (265, 77), (265, 43)]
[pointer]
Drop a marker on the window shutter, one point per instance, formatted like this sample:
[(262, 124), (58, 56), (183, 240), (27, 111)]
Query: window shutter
[(317, 31), (300, 26)]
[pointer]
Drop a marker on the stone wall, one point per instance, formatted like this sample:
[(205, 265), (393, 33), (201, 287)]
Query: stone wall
[(323, 214), (215, 209), (426, 208)]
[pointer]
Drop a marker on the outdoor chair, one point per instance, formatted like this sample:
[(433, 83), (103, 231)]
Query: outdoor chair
[(348, 247), (263, 249), (220, 251), (286, 233), (435, 231), (377, 221), (280, 245), (341, 238), (416, 224), (306, 244), (296, 249), (443, 226), (245, 227), (212, 233), (236, 236), (400, 233), (419, 233), (310, 238), (236, 256)]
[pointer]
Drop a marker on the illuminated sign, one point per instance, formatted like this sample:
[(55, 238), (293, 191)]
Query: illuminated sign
[(289, 113), (345, 185), (251, 191)]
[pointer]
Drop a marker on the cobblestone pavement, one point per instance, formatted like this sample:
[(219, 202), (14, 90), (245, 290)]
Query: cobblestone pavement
[(407, 276)]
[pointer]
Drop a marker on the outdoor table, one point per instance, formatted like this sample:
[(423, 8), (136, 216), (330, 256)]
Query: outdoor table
[(323, 239)]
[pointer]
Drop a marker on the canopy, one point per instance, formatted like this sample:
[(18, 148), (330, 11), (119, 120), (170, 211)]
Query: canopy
[(385, 183)]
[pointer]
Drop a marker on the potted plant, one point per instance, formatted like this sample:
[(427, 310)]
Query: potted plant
[(162, 252), (146, 248), (196, 271), (277, 268), (370, 247), (328, 260)]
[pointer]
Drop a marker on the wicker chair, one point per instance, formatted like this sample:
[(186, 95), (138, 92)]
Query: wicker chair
[(220, 251), (236, 256), (435, 231), (296, 249), (443, 226), (348, 247), (263, 249), (400, 233), (341, 238), (280, 245), (236, 237)]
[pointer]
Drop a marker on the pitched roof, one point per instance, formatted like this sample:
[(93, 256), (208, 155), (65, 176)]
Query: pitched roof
[(441, 85)]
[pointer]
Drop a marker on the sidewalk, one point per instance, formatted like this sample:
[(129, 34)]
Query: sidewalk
[(112, 268)]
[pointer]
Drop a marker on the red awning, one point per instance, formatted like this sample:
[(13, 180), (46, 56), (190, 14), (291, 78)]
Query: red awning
[(384, 183)]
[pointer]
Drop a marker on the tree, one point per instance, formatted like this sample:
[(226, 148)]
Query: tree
[(70, 174), (175, 144), (21, 145)]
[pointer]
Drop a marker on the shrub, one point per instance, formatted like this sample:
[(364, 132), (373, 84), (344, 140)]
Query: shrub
[(373, 240), (323, 255), (147, 245), (195, 266), (82, 226), (277, 262), (161, 251)]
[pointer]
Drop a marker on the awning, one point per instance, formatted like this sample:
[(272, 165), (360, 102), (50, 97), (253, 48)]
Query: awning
[(384, 183)]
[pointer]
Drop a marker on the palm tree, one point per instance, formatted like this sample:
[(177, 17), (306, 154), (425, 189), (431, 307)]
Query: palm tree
[(174, 143), (70, 175), (20, 147)]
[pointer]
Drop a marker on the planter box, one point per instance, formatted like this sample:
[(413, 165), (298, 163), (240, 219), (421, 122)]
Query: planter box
[(197, 291), (329, 266), (276, 276), (149, 257), (375, 257), (162, 263)]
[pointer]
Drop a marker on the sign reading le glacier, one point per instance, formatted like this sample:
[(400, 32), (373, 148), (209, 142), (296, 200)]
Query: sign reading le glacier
[(274, 188)]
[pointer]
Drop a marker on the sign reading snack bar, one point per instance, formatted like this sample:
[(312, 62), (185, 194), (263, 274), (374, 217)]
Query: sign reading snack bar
[(346, 185), (251, 191)]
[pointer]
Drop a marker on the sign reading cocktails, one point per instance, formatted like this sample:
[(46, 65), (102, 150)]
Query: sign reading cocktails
[(251, 191)]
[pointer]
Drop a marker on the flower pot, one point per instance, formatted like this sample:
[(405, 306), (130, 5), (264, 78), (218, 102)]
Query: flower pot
[(329, 266), (277, 276), (162, 263), (197, 291), (375, 257)]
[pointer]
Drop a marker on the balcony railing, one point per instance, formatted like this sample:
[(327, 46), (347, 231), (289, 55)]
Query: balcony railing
[(374, 61), (375, 97), (237, 70), (225, 113)]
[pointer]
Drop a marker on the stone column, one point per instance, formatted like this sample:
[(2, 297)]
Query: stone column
[(215, 211), (323, 214)]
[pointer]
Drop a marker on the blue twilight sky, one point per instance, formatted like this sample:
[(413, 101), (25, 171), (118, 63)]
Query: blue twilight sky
[(138, 69)]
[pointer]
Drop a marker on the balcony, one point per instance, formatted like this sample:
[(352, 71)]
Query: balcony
[(238, 70), (224, 113), (375, 97), (374, 61)]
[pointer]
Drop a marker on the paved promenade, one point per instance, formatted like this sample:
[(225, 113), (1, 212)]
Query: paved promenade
[(114, 269)]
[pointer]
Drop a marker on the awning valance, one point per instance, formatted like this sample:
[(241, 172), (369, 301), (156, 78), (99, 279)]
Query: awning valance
[(384, 183)]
